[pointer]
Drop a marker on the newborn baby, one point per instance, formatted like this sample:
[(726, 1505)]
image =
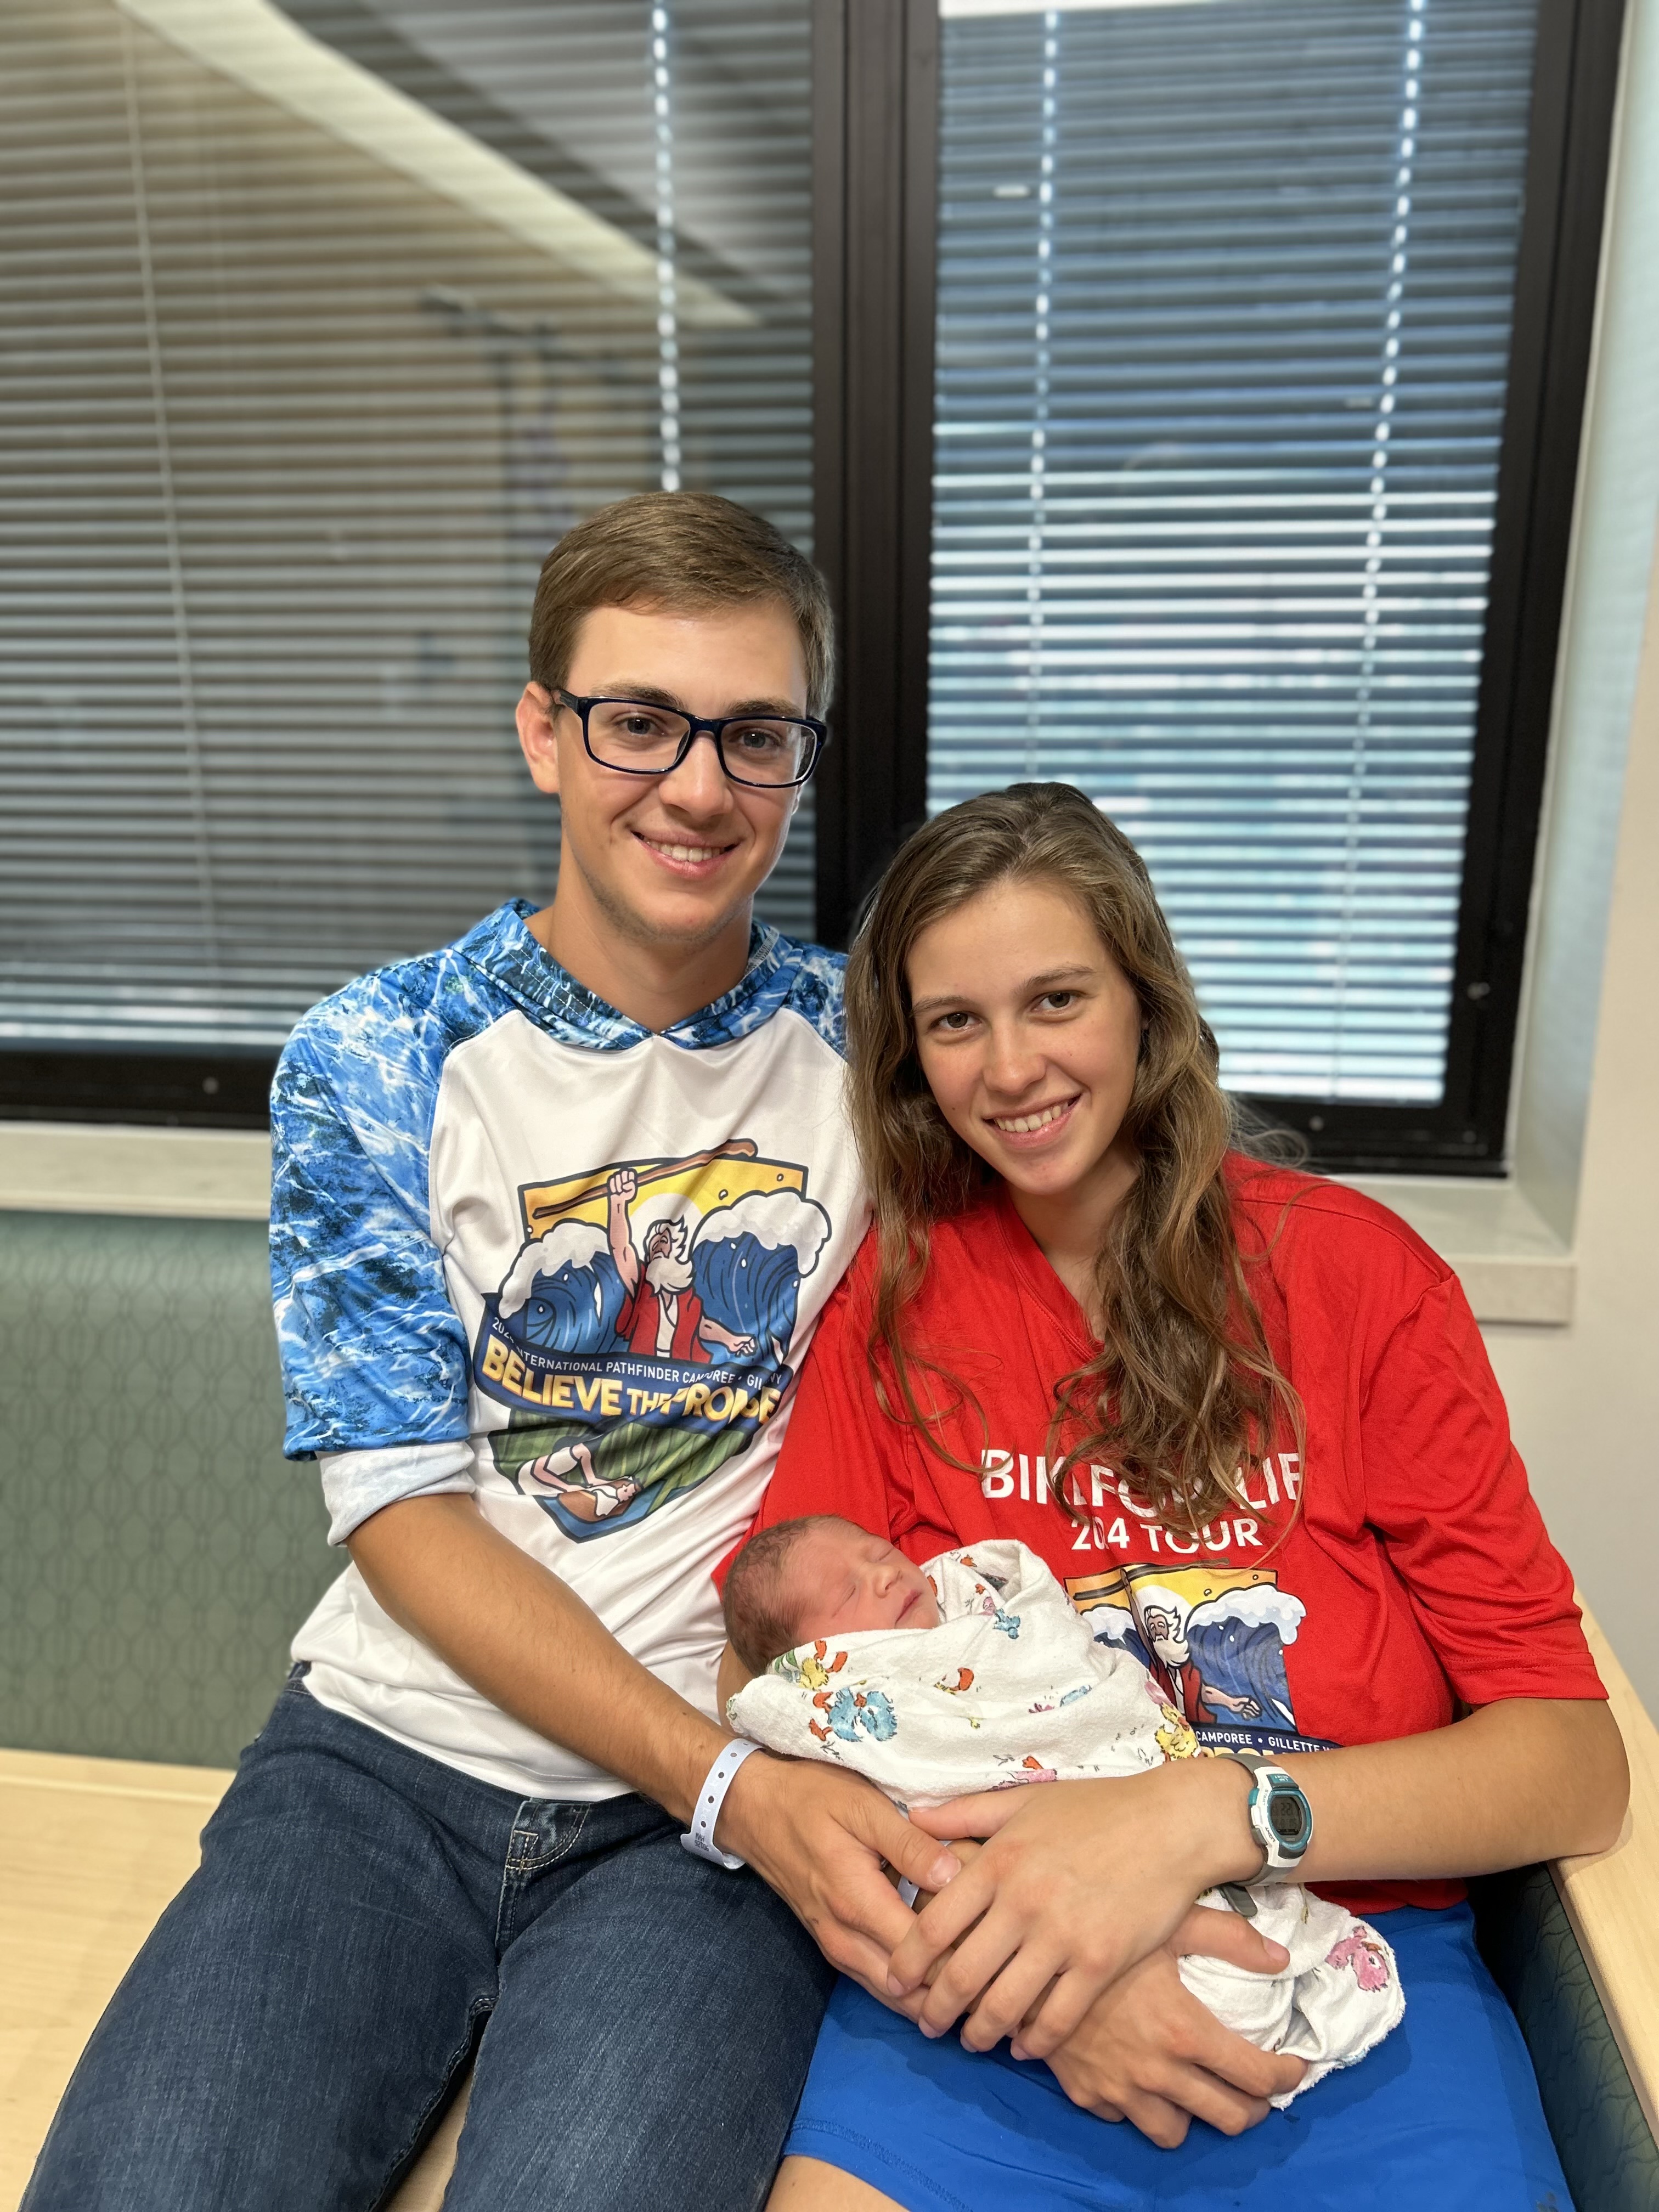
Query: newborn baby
[(977, 1673)]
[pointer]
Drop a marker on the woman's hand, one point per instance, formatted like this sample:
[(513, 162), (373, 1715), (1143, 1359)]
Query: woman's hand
[(1147, 2051), (1078, 1882)]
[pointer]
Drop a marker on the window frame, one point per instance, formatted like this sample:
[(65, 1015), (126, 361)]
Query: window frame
[(880, 790), (875, 109)]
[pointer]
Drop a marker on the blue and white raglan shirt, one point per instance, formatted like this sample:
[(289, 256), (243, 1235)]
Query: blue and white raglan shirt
[(523, 1247)]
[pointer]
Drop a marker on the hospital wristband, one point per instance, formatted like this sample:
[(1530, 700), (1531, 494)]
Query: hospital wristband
[(706, 1813)]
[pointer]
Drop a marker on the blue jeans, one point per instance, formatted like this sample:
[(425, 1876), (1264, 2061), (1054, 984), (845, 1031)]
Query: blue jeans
[(363, 1921)]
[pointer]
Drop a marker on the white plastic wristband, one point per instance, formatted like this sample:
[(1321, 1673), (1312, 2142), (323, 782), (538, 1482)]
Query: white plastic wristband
[(699, 1836)]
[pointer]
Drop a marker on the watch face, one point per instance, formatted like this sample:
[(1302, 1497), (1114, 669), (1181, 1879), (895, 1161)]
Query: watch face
[(1287, 1816)]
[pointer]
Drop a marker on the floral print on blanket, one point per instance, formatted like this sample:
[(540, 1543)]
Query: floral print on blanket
[(851, 1709), (1366, 1955), (1012, 1689)]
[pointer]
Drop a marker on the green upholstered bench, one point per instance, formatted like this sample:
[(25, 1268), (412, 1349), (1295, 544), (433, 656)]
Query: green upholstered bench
[(156, 1551), (1575, 1949), (1601, 2131)]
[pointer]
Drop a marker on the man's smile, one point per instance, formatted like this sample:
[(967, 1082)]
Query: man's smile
[(684, 855)]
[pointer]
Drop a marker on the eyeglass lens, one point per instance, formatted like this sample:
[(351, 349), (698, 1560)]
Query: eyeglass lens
[(627, 734)]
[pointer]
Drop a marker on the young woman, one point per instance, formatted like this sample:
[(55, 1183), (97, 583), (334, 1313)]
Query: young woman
[(1247, 1417)]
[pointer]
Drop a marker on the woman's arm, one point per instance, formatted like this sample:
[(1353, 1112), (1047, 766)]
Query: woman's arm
[(1075, 1891), (1080, 1881), (1528, 1778)]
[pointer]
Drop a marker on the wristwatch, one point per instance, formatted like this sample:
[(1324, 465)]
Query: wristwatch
[(1281, 1819)]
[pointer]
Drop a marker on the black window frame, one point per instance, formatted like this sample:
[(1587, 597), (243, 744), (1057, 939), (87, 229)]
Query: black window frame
[(872, 363), (876, 86)]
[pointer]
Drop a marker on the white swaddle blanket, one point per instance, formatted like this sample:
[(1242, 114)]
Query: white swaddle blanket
[(1011, 1688)]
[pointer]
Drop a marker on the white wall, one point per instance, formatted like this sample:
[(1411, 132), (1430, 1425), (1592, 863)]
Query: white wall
[(1584, 1399)]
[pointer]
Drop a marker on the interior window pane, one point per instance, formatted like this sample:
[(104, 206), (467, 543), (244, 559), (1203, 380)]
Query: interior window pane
[(321, 322), (1223, 324)]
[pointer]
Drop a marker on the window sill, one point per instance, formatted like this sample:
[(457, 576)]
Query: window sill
[(1510, 1262), (68, 1167), (1512, 1265)]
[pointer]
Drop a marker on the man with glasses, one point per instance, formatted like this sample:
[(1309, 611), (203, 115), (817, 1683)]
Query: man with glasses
[(554, 1211)]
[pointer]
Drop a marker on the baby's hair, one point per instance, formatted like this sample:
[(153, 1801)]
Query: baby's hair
[(760, 1624)]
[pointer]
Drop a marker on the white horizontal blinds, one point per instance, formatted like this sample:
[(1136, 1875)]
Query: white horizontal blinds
[(1223, 321), (299, 379), (737, 156)]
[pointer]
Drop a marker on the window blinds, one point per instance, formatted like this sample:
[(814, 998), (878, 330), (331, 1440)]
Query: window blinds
[(320, 325), (1223, 321)]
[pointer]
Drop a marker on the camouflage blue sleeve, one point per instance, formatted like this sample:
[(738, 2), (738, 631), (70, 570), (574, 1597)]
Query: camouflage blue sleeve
[(810, 980), (373, 1352), (819, 993)]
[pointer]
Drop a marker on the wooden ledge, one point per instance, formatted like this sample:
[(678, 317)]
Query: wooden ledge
[(93, 1851)]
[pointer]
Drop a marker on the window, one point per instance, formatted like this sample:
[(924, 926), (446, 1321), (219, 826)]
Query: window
[(1183, 399), (1226, 306), (1261, 342), (323, 323)]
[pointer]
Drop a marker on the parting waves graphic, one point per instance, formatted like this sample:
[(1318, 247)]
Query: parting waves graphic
[(604, 1429)]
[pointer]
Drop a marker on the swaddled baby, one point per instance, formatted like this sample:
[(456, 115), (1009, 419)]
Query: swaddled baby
[(976, 1672)]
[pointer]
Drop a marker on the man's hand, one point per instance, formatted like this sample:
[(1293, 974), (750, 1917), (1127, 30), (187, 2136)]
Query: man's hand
[(1148, 2051), (965, 1850), (819, 1838)]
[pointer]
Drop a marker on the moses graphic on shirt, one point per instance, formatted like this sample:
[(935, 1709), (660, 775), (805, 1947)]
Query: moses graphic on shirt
[(640, 1337), (664, 1313), (1214, 1637)]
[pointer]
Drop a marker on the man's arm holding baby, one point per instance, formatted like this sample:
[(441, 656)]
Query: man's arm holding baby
[(525, 1640), (350, 1156)]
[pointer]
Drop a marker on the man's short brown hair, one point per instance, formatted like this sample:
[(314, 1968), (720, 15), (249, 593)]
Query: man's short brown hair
[(688, 550)]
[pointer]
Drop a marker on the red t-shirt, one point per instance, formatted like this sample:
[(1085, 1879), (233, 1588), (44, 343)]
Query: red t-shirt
[(1418, 1574)]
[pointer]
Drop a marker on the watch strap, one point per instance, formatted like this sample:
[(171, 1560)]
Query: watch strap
[(699, 1837), (1265, 1774), (1251, 1764)]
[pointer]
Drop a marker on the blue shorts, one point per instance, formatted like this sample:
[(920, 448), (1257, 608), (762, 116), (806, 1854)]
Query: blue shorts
[(1442, 2117)]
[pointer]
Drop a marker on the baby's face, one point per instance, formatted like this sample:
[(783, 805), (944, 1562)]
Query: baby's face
[(844, 1579)]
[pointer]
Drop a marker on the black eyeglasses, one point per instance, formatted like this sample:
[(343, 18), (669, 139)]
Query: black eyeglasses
[(770, 751)]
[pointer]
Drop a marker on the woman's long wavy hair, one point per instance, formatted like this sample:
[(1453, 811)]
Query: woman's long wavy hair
[(1184, 1391)]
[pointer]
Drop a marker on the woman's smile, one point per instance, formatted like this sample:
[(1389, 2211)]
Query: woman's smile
[(1035, 1125)]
